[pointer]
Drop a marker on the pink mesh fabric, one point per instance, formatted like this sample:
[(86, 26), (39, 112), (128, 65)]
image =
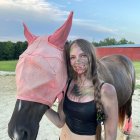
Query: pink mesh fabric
[(60, 36), (41, 71)]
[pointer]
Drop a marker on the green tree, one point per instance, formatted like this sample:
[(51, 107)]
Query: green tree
[(20, 47), (111, 41), (1, 50), (96, 44), (108, 41), (7, 50), (124, 41)]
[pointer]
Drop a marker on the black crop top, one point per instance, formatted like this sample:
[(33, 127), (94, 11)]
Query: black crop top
[(80, 117)]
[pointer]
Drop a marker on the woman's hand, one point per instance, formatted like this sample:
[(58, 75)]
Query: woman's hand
[(57, 118)]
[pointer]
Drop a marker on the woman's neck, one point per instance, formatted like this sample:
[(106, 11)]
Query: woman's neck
[(83, 86), (83, 81)]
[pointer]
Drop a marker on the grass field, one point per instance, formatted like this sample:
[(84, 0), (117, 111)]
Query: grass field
[(137, 69), (10, 66)]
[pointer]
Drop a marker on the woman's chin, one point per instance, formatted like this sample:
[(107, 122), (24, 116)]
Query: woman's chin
[(80, 72)]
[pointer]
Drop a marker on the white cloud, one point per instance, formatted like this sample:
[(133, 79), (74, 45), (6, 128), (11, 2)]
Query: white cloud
[(32, 12), (41, 17), (92, 25), (38, 7)]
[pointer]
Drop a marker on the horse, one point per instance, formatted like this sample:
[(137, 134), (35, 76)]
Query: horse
[(41, 77), (40, 69), (119, 71)]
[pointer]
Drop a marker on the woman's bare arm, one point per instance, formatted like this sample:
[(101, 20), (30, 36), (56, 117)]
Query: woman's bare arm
[(110, 105), (57, 118)]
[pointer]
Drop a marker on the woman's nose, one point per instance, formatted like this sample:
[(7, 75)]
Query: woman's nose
[(77, 60)]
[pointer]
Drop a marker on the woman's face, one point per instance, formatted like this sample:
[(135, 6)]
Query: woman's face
[(78, 60)]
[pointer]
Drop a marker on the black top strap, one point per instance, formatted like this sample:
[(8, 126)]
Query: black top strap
[(68, 84), (101, 84), (69, 81)]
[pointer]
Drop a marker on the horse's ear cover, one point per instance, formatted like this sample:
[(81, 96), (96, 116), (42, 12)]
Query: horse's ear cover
[(58, 38), (41, 73), (29, 36)]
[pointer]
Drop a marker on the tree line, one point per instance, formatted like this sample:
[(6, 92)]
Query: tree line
[(111, 41), (11, 51)]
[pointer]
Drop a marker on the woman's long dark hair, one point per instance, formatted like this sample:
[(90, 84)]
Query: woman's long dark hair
[(92, 73)]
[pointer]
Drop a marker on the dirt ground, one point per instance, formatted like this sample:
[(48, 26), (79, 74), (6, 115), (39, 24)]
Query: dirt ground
[(47, 130)]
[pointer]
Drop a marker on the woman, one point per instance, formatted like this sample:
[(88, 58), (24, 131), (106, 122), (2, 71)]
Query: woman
[(88, 100)]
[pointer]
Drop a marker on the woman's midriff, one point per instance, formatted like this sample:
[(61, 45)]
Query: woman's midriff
[(66, 134)]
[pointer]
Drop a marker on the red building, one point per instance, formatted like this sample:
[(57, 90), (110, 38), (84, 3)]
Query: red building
[(130, 50)]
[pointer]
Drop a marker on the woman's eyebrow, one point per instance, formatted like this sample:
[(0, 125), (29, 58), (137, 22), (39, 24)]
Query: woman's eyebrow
[(72, 55), (83, 53)]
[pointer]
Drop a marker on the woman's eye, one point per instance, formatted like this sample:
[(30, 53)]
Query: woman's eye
[(71, 58), (83, 56)]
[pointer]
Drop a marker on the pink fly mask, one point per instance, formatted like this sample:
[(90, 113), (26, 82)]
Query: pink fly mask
[(41, 72)]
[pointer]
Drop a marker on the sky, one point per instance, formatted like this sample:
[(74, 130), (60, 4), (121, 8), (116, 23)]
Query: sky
[(93, 20)]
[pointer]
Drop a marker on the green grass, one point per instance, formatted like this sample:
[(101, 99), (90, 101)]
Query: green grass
[(137, 69), (137, 86), (8, 65)]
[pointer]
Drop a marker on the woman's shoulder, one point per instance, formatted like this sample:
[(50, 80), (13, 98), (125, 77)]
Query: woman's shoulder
[(108, 91)]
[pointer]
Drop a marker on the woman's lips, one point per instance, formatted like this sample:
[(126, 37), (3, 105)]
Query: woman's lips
[(79, 68)]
